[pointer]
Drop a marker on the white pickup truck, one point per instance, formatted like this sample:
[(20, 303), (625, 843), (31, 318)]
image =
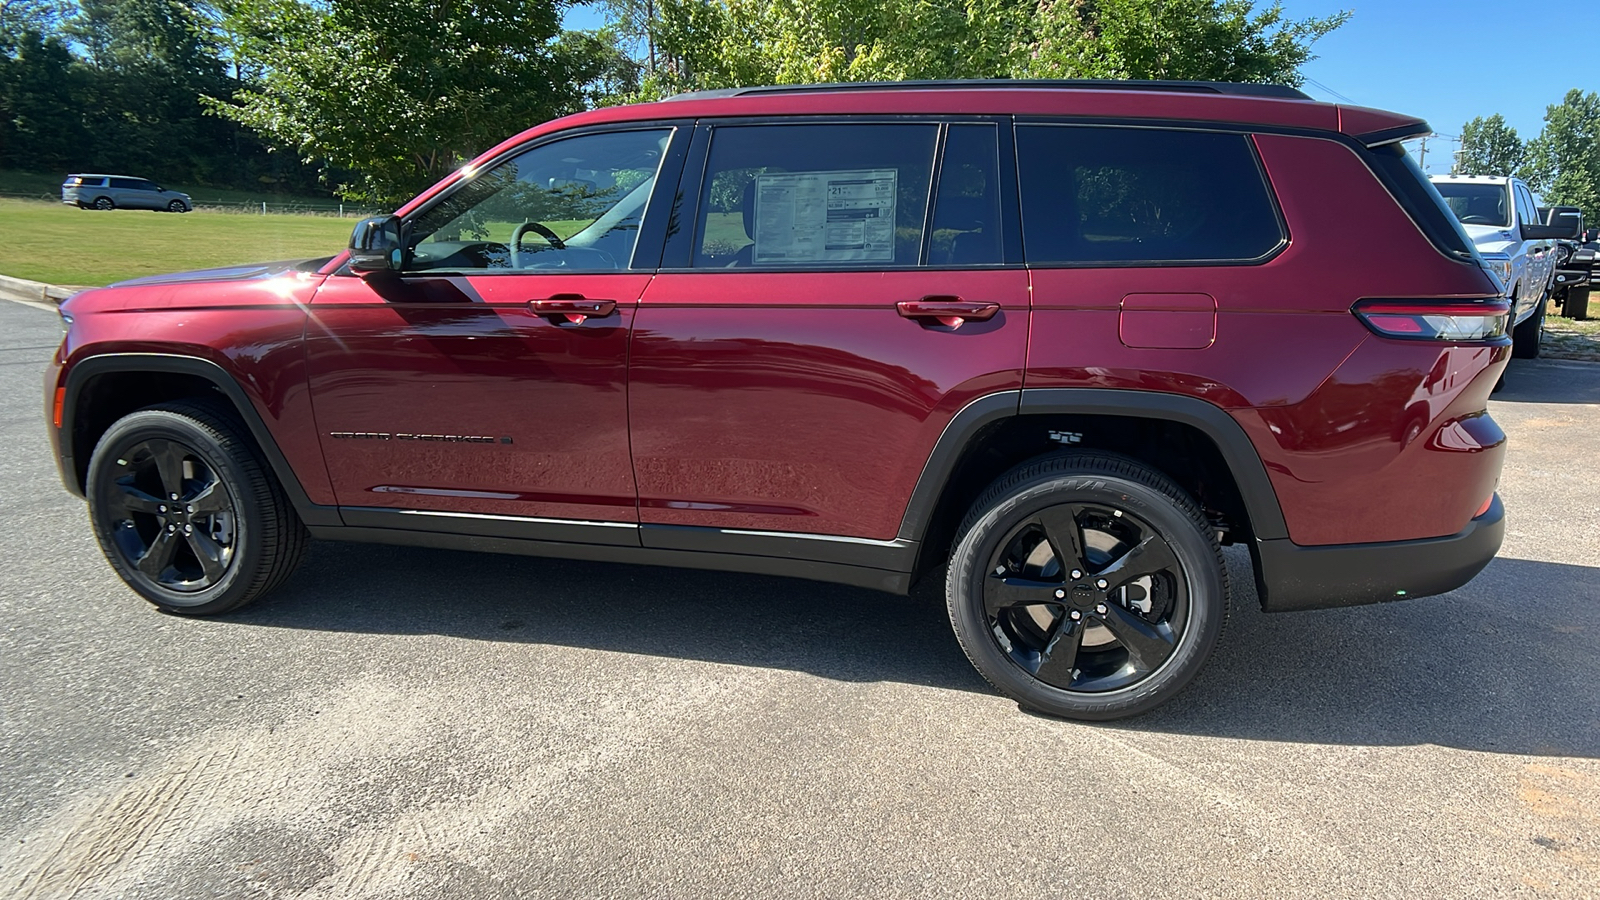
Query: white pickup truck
[(1501, 215)]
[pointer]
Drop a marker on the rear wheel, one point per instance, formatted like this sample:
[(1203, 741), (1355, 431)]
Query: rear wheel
[(1088, 586), (187, 513), (1525, 338), (104, 203)]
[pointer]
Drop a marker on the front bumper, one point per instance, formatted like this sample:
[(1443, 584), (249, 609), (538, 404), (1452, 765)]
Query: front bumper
[(1292, 577)]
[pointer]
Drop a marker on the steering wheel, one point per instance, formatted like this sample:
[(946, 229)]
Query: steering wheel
[(553, 239)]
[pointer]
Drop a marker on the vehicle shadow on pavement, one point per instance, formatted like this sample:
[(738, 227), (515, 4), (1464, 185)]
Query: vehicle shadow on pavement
[(1550, 381), (1509, 664)]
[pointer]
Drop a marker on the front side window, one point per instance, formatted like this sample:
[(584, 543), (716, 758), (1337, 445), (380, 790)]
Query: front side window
[(1530, 210), (1093, 195), (574, 204), (815, 196)]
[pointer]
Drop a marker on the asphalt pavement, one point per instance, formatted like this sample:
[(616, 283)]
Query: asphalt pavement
[(403, 723)]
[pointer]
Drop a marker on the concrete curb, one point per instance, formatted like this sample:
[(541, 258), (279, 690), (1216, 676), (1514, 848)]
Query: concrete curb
[(25, 291)]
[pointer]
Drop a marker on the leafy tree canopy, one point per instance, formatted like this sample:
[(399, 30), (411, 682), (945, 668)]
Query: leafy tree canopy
[(1563, 162), (1489, 147), (729, 43), (403, 91)]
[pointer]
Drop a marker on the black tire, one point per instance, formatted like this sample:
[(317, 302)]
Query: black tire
[(1525, 337), (1011, 606), (1577, 306), (104, 203), (230, 512), (177, 206)]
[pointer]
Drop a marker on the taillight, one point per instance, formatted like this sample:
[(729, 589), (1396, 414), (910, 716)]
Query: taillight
[(1446, 320)]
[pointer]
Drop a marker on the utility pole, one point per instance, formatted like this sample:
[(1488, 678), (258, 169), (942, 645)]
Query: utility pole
[(1422, 160)]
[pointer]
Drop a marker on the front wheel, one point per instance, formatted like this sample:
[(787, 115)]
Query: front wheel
[(1525, 338), (177, 206), (187, 513), (1087, 586)]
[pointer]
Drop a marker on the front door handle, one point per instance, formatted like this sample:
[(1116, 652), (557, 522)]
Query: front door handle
[(949, 311), (572, 308)]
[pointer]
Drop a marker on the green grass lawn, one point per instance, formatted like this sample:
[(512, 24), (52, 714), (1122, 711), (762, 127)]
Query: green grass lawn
[(62, 245)]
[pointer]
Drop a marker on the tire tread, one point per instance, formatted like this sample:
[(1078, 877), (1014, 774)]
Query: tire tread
[(1084, 462)]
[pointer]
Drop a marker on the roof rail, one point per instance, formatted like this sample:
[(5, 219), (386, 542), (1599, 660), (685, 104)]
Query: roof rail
[(1279, 91)]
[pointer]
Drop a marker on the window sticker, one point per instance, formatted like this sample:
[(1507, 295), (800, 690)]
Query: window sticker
[(809, 217)]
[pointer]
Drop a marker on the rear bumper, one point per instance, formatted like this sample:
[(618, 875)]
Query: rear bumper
[(1292, 577)]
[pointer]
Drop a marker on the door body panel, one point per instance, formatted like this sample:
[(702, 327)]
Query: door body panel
[(804, 402), (449, 393)]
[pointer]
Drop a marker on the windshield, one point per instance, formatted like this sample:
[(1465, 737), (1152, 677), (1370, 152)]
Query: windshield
[(1477, 204)]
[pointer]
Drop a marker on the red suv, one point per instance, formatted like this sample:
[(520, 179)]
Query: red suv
[(1053, 342)]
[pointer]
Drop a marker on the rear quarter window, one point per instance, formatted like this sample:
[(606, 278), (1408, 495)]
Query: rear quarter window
[(1420, 199), (1129, 196)]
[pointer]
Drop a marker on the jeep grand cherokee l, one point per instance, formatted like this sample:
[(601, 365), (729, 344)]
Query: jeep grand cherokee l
[(1054, 343)]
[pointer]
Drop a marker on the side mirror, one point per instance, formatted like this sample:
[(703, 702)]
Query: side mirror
[(375, 245), (1549, 232)]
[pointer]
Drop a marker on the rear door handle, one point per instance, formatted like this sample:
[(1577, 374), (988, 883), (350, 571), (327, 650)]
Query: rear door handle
[(572, 308), (949, 311)]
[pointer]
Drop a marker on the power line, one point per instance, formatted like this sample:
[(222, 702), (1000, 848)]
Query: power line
[(1315, 83)]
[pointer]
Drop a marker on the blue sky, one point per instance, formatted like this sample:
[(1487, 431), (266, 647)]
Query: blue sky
[(1444, 60), (1451, 60)]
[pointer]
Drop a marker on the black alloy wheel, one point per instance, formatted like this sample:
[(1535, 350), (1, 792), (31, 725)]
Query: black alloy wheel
[(1086, 597), (1087, 585), (173, 520), (104, 203), (177, 206), (186, 510)]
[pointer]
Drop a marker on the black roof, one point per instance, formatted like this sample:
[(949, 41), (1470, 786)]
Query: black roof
[(1279, 91)]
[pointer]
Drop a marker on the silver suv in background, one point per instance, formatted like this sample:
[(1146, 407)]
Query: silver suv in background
[(1501, 215), (121, 192)]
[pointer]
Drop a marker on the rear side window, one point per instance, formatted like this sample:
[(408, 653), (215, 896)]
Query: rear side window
[(966, 212), (825, 196), (1120, 196), (127, 184)]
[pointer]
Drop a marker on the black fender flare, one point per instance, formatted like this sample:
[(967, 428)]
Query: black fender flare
[(1255, 488), (85, 371)]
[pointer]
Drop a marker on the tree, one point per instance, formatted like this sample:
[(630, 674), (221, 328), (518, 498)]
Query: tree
[(728, 43), (1204, 40), (403, 91), (19, 17), (40, 123), (1489, 147), (1563, 162)]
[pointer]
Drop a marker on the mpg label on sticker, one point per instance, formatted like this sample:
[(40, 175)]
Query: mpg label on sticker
[(812, 217)]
